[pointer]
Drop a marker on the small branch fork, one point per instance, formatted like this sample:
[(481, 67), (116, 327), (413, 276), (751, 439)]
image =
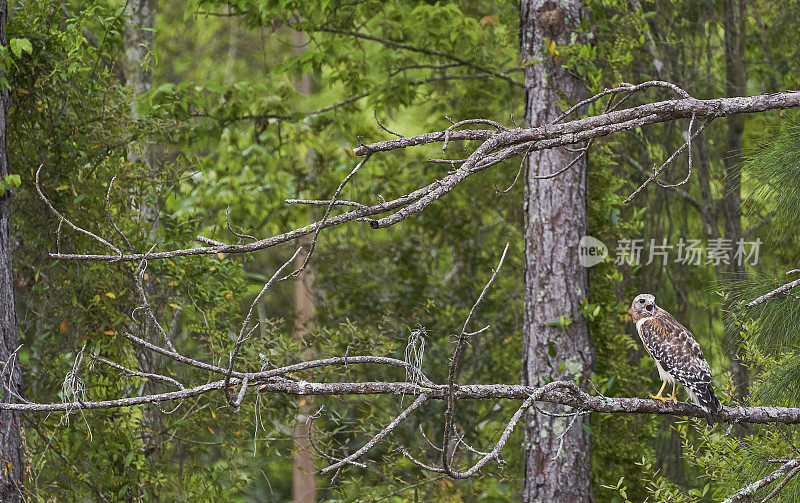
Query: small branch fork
[(453, 370)]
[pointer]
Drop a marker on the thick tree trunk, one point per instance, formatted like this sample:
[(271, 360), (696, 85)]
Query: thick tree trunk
[(10, 438), (735, 12), (304, 479), (557, 456)]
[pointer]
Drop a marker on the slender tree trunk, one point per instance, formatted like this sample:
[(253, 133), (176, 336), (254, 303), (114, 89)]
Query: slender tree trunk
[(557, 456), (139, 41), (735, 12), (304, 480), (140, 38), (10, 437)]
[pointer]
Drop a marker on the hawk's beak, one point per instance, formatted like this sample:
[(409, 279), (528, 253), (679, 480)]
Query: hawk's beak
[(651, 302)]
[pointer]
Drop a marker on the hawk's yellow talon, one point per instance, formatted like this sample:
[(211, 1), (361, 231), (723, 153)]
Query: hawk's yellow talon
[(672, 398), (659, 396)]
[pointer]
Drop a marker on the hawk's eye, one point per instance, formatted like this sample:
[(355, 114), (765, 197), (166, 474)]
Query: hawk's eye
[(641, 301)]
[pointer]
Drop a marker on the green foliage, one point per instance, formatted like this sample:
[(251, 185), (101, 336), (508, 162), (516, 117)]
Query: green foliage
[(774, 172)]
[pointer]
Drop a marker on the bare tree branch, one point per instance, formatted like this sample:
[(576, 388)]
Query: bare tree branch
[(64, 220), (497, 146), (244, 333), (136, 373), (453, 368), (579, 399), (670, 159), (380, 436), (781, 289), (782, 484), (676, 190), (661, 111), (746, 492), (318, 225)]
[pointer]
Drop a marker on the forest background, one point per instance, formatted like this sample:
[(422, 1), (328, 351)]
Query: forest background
[(208, 119)]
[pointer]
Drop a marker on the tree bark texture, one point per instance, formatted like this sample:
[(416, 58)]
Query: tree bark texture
[(557, 456), (10, 437), (140, 38), (734, 15)]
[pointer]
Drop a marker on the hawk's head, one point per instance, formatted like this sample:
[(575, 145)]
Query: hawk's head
[(643, 306)]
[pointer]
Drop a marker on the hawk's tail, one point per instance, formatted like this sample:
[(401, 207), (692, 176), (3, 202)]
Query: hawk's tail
[(703, 394)]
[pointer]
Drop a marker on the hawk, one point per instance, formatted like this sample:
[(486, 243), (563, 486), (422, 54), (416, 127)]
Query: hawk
[(677, 355)]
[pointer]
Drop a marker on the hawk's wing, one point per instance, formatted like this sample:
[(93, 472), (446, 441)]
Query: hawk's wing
[(675, 349)]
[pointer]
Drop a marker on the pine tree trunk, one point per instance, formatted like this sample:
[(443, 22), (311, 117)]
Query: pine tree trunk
[(555, 282), (10, 437), (304, 479), (735, 12)]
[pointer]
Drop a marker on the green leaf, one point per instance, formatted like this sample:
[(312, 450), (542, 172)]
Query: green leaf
[(13, 180), (610, 383), (553, 322), (20, 45)]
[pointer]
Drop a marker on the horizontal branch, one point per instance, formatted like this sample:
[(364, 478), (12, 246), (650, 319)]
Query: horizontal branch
[(498, 145), (573, 397), (396, 44), (660, 111)]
